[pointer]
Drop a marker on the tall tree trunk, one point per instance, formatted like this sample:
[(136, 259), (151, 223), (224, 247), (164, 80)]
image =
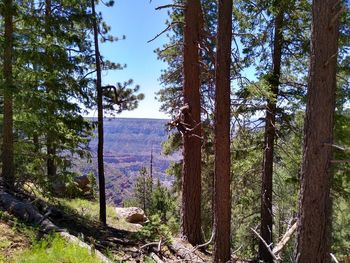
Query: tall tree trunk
[(50, 148), (270, 134), (222, 182), (191, 179), (315, 203), (7, 151), (101, 176), (151, 170)]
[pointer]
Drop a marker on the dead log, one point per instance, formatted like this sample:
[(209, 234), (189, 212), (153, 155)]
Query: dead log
[(185, 251), (27, 212), (156, 258)]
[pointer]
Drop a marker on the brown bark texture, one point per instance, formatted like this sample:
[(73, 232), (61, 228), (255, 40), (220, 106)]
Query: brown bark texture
[(51, 149), (100, 164), (191, 179), (7, 146), (313, 241), (222, 175), (270, 134)]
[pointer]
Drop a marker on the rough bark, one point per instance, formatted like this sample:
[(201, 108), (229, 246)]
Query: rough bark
[(50, 148), (270, 134), (100, 164), (222, 182), (7, 146), (315, 203), (185, 251), (50, 163), (191, 179)]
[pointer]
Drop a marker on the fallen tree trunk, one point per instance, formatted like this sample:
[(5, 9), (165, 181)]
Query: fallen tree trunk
[(185, 250), (156, 258), (26, 211)]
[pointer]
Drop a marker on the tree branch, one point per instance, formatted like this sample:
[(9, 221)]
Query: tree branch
[(165, 30), (266, 245), (170, 6)]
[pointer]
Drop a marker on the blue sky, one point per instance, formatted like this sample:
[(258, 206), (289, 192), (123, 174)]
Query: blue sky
[(139, 22)]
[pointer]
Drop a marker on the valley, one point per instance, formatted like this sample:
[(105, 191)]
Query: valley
[(128, 146)]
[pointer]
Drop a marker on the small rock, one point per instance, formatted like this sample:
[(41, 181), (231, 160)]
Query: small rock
[(132, 215)]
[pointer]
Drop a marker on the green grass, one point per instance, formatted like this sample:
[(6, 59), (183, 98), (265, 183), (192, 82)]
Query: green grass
[(90, 211), (55, 249)]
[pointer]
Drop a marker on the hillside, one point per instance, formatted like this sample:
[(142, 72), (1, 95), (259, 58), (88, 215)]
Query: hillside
[(127, 148)]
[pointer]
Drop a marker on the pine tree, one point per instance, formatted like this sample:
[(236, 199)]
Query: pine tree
[(8, 169), (222, 175), (191, 179), (101, 176), (270, 134), (315, 217)]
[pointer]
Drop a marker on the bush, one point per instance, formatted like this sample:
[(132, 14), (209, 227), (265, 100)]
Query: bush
[(154, 230)]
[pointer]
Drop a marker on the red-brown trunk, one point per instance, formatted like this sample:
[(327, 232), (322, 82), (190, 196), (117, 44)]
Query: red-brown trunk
[(222, 176), (191, 180), (270, 134), (7, 151), (315, 203)]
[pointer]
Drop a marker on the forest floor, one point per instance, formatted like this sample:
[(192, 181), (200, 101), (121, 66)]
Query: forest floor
[(12, 241), (118, 241)]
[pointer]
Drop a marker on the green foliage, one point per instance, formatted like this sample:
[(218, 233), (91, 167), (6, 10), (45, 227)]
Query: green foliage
[(162, 202), (246, 170), (93, 184), (341, 231), (55, 249), (143, 190), (155, 199), (120, 98), (155, 230)]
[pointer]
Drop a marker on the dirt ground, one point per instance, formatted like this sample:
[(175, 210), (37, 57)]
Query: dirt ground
[(11, 242)]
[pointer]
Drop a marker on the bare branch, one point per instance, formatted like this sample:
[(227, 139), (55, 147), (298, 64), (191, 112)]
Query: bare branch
[(334, 258), (170, 6), (286, 237), (340, 161), (266, 245), (165, 30), (336, 146)]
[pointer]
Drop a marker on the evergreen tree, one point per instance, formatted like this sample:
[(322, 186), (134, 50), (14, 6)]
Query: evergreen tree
[(222, 175), (315, 217), (143, 190), (8, 168), (101, 175), (191, 179)]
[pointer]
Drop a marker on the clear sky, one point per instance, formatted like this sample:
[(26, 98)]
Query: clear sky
[(139, 22)]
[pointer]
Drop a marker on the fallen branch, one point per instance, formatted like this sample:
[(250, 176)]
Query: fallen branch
[(159, 244), (185, 251), (266, 245), (156, 258), (151, 244), (284, 240), (334, 258), (205, 244)]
